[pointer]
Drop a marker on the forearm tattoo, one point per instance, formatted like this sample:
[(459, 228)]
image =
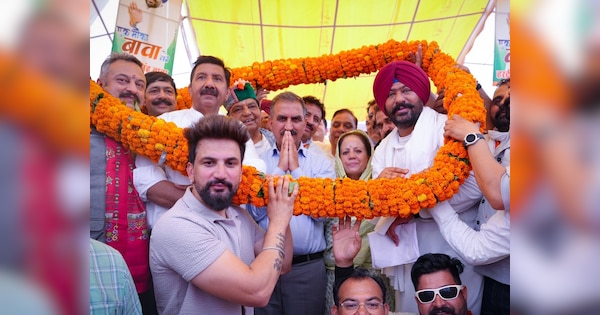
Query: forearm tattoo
[(280, 245)]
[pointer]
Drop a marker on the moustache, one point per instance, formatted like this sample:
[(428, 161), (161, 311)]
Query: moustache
[(399, 106), (159, 101), (209, 91), (129, 94), (293, 132), (220, 181), (443, 309)]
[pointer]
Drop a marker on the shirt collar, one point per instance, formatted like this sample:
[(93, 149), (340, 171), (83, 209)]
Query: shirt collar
[(301, 150)]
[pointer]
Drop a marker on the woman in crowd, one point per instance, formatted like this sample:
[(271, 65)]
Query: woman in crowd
[(353, 160)]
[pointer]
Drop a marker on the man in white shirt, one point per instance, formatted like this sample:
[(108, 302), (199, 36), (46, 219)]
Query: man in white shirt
[(160, 186), (488, 245), (401, 89)]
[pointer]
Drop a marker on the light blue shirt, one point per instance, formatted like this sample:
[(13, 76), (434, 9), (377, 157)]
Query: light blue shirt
[(307, 232)]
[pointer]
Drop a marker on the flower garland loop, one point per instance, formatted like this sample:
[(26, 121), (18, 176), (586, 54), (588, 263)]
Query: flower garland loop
[(164, 141)]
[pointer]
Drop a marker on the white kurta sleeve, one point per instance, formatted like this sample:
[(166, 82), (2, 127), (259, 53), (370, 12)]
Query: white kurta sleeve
[(490, 244)]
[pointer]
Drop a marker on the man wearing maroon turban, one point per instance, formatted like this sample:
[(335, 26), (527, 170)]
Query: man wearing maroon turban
[(401, 89), (405, 86)]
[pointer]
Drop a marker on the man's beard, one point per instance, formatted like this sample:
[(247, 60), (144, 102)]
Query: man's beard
[(502, 118), (216, 201), (408, 120), (444, 309)]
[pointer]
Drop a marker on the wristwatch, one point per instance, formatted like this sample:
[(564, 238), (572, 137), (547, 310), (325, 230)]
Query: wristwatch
[(471, 138)]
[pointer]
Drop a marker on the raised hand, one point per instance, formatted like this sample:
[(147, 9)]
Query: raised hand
[(283, 153), (458, 127), (417, 58), (288, 159), (261, 93), (135, 14), (346, 241), (292, 153), (281, 203)]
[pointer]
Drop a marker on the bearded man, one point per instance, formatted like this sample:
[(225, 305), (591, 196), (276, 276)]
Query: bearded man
[(401, 89), (208, 256)]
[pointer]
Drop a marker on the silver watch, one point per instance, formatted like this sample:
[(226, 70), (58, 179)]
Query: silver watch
[(471, 138)]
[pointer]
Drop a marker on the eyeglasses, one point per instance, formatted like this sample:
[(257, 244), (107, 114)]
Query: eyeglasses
[(448, 292), (353, 305)]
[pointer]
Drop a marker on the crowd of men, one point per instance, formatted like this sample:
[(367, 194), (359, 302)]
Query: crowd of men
[(189, 250)]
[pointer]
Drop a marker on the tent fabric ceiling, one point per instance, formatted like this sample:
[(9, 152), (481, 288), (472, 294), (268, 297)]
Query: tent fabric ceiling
[(244, 31)]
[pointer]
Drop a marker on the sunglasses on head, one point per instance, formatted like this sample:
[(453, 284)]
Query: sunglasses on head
[(448, 292)]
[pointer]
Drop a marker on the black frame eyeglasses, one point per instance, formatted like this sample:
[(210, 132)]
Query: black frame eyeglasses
[(353, 305)]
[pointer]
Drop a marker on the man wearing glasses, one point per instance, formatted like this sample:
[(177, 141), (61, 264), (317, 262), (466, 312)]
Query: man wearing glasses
[(435, 277), (438, 289), (363, 292)]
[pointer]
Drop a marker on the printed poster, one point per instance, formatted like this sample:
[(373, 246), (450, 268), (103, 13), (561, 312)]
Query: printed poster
[(148, 30), (502, 41)]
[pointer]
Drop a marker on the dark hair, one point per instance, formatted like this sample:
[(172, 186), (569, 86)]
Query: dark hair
[(378, 109), (290, 97), (214, 61), (154, 76), (370, 104), (345, 110), (155, 5), (363, 137), (430, 263), (503, 82), (215, 127), (115, 56), (359, 273), (309, 99)]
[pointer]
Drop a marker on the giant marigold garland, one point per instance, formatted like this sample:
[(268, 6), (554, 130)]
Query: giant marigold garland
[(164, 142)]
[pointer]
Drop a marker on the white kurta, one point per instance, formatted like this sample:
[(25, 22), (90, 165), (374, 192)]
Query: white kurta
[(416, 153)]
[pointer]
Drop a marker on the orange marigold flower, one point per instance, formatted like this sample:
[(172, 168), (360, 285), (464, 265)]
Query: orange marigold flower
[(319, 197)]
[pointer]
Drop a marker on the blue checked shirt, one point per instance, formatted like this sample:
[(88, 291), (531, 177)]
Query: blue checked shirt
[(112, 290)]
